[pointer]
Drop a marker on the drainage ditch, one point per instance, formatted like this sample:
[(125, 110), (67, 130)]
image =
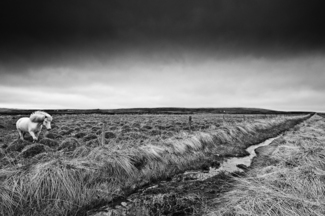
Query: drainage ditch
[(184, 193)]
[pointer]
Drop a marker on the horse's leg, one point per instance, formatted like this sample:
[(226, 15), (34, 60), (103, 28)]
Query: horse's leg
[(24, 133), (38, 133), (21, 135), (33, 135)]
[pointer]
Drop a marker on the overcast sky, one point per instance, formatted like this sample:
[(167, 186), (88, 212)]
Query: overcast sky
[(162, 53)]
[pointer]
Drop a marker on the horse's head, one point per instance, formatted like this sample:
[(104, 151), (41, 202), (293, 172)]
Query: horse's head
[(47, 123), (42, 118)]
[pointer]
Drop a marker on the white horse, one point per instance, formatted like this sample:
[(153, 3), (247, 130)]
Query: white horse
[(33, 124)]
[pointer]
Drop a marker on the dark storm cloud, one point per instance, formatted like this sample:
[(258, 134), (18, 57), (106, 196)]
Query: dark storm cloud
[(41, 33), (35, 23)]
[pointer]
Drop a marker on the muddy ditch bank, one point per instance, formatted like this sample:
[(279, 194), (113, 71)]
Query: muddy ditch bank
[(263, 159), (189, 192)]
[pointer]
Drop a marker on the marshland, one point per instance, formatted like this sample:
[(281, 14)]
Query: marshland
[(96, 164)]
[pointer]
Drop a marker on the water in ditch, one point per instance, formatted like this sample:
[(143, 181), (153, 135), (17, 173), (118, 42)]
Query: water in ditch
[(230, 165)]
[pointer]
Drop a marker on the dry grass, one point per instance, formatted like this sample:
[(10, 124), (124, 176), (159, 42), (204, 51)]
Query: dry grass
[(59, 186), (292, 186), (164, 204), (9, 200)]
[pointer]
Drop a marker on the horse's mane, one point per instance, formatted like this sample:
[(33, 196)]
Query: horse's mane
[(39, 116)]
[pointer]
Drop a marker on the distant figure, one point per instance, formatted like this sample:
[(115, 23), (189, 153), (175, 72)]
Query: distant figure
[(33, 124)]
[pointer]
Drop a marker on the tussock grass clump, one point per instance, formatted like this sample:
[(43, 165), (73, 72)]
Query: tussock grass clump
[(9, 200), (80, 135), (90, 137), (147, 127), (93, 143), (94, 129), (124, 163), (154, 132), (81, 151), (51, 135), (112, 128), (17, 145), (9, 159), (32, 150), (51, 187), (44, 156), (49, 142), (66, 132), (110, 135), (69, 144), (65, 128)]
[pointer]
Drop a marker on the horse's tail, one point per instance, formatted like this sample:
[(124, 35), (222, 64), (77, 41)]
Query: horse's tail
[(17, 123)]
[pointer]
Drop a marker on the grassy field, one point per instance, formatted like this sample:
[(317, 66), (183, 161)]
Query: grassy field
[(87, 160), (126, 130), (287, 179)]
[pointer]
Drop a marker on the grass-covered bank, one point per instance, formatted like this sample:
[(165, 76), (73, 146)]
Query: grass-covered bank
[(288, 181), (60, 186)]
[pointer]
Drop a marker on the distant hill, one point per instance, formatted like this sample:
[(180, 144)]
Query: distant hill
[(159, 110)]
